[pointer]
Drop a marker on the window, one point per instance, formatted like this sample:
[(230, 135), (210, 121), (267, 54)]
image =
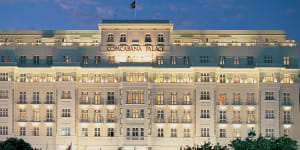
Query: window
[(173, 116), (36, 97), (22, 131), (269, 77), (287, 116), (110, 38), (222, 78), (49, 131), (286, 78), (269, 96), (23, 77), (135, 113), (173, 98), (204, 113), (186, 78), (160, 132), (173, 132), (186, 132), (236, 60), (3, 130), (204, 59), (250, 99), (286, 60), (36, 60), (236, 116), (250, 117), (236, 98), (204, 132), (110, 97), (49, 60), (269, 114), (223, 116), (269, 132), (286, 98), (49, 97), (66, 112), (84, 131), (111, 59), (187, 117), (36, 115), (286, 131), (67, 59), (49, 114), (110, 132), (3, 94), (250, 60), (3, 112), (173, 60), (236, 132), (159, 60), (268, 59), (36, 77), (84, 97), (22, 60), (97, 59), (204, 95), (22, 97), (3, 76), (222, 60), (97, 97), (135, 133), (160, 98), (186, 60), (4, 59), (97, 78), (85, 60), (22, 116), (160, 38), (148, 38), (84, 116), (66, 94), (135, 97), (159, 78), (36, 131), (97, 131), (65, 131), (186, 98), (135, 77), (160, 116), (222, 133), (222, 99), (97, 116), (123, 38), (110, 115), (236, 78), (204, 77)]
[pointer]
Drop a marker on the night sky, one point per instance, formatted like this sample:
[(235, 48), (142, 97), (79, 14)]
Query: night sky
[(184, 14)]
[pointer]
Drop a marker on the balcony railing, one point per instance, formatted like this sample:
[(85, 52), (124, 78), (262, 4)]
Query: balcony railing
[(186, 121), (83, 120), (111, 102), (173, 121), (287, 122), (251, 122), (222, 121), (159, 120), (251, 103), (101, 102), (35, 102), (286, 103), (49, 120), (98, 120), (111, 120), (22, 102), (237, 103), (49, 102), (236, 122), (84, 102), (21, 120)]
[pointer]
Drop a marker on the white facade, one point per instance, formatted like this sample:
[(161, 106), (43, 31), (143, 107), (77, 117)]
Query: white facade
[(117, 89)]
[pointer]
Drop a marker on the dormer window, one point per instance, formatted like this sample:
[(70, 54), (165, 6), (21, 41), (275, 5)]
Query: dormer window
[(123, 38), (160, 38), (110, 38), (148, 38)]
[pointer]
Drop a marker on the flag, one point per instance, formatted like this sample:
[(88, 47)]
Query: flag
[(69, 147), (132, 5)]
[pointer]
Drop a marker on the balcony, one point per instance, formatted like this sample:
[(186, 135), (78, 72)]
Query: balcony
[(49, 120), (111, 102), (135, 138), (21, 120), (173, 103), (100, 102), (159, 103), (251, 103), (36, 102), (84, 120), (187, 121), (36, 120), (111, 120), (84, 102), (49, 102), (237, 122), (173, 121), (287, 122), (159, 120), (286, 103), (222, 122), (22, 102), (251, 122), (237, 103), (187, 103), (98, 120)]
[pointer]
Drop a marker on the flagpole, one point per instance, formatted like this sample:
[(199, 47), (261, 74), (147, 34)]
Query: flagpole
[(135, 9)]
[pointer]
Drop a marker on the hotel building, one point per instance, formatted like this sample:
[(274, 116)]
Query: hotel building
[(140, 85)]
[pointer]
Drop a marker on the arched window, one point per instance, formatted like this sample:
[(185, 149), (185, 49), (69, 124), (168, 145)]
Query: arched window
[(160, 38), (123, 38), (148, 38), (110, 38)]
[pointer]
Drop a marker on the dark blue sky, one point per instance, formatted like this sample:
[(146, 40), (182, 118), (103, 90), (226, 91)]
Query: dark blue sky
[(185, 14)]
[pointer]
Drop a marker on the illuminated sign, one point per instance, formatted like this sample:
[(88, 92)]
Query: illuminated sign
[(135, 48)]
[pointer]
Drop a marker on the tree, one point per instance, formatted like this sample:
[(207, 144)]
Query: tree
[(15, 144), (207, 146)]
